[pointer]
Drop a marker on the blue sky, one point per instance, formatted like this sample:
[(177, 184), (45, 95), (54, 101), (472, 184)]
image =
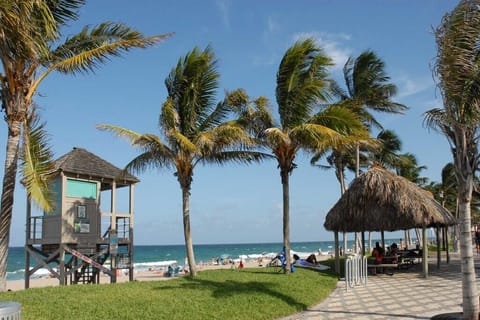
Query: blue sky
[(232, 204)]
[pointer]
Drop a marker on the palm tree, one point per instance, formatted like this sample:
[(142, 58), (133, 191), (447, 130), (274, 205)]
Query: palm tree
[(458, 72), (340, 159), (195, 128), (301, 85), (31, 49), (388, 153), (368, 88), (408, 167)]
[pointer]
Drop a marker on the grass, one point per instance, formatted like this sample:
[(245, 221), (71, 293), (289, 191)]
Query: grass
[(259, 293)]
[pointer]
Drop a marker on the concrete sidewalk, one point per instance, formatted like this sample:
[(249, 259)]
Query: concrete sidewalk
[(405, 295)]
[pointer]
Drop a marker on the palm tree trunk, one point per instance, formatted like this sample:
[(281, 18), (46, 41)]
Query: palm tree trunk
[(8, 190), (343, 188), (357, 173), (186, 230), (469, 287), (286, 218)]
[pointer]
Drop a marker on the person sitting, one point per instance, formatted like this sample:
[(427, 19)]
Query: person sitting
[(377, 252), (312, 259), (295, 257), (394, 253)]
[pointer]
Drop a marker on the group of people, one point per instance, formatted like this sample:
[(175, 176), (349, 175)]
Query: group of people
[(379, 253)]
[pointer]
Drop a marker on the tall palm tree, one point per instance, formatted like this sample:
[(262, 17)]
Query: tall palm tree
[(368, 88), (458, 73), (301, 85), (31, 49), (195, 128)]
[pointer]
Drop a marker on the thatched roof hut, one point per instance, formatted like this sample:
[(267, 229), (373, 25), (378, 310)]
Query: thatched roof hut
[(379, 200)]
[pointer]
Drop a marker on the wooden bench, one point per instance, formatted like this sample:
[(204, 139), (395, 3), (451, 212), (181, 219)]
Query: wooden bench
[(382, 265)]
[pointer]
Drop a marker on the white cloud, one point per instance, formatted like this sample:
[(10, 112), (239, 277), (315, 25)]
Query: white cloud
[(224, 8), (408, 86), (272, 25), (332, 45)]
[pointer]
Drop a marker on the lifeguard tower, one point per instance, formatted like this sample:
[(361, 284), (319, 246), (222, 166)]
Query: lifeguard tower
[(76, 241)]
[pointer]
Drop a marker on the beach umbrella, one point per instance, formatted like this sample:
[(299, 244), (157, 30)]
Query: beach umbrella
[(379, 200)]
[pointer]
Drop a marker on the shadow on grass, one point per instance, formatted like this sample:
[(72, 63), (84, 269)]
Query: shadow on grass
[(230, 288)]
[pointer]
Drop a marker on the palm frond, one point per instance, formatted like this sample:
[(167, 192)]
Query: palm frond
[(437, 119), (181, 142), (127, 134), (275, 137), (169, 119), (240, 157), (341, 120), (26, 27), (37, 162), (90, 48), (215, 118), (254, 115), (314, 136), (192, 86), (369, 87), (301, 82), (152, 159), (64, 10)]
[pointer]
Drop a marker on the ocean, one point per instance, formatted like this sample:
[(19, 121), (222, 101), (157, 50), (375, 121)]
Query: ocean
[(157, 256)]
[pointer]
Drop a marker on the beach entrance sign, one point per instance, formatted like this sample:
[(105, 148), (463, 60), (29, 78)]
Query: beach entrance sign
[(76, 240)]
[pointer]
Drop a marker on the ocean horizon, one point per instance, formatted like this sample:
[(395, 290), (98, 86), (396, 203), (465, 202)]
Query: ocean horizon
[(158, 256)]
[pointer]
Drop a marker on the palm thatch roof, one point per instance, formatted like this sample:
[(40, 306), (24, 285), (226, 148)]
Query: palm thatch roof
[(379, 200), (82, 163)]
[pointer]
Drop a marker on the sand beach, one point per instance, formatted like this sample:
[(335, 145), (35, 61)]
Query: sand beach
[(151, 275)]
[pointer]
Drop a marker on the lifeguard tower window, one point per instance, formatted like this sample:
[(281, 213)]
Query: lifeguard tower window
[(81, 189), (56, 187)]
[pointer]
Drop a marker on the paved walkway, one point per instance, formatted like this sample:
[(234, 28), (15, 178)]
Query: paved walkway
[(405, 295)]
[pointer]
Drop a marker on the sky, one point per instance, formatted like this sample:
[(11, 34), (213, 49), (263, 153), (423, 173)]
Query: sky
[(233, 203)]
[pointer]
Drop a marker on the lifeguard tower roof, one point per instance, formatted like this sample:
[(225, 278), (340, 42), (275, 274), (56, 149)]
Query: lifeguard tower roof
[(83, 163)]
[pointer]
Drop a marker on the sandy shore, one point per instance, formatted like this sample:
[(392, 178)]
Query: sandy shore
[(154, 275)]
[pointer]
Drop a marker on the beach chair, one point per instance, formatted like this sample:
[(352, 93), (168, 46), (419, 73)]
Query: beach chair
[(279, 261), (176, 271)]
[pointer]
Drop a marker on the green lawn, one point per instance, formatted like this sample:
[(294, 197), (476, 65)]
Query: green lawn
[(260, 293)]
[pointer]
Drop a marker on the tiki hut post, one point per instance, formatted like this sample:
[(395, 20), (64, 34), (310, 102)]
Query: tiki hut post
[(383, 239), (438, 246), (363, 243), (337, 255), (446, 244), (425, 251)]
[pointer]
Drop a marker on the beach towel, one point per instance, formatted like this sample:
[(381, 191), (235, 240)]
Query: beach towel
[(302, 263)]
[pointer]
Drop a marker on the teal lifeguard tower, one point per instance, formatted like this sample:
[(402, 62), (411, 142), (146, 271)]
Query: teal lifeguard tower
[(77, 242)]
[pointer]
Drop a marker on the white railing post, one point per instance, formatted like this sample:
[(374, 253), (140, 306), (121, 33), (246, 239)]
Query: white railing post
[(10, 310)]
